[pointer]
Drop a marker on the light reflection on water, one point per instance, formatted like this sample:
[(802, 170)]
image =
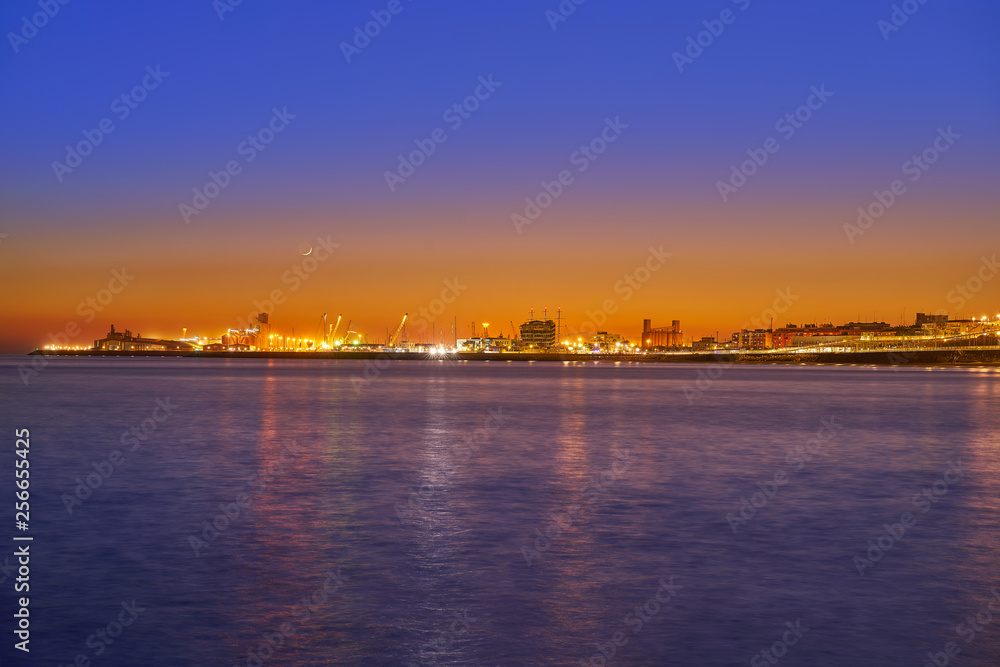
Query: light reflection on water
[(456, 562)]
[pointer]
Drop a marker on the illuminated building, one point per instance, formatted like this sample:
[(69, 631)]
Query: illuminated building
[(811, 334), (924, 318), (488, 344), (604, 342), (756, 339), (706, 343), (538, 334), (125, 341), (671, 336)]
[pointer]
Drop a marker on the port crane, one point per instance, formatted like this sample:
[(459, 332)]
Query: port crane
[(392, 339), (333, 331), (322, 328)]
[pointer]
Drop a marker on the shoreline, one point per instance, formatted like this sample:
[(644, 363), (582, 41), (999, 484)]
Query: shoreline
[(948, 357)]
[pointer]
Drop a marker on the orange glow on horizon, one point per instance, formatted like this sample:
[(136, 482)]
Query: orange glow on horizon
[(212, 280)]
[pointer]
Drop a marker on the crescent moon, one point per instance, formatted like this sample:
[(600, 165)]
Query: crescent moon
[(305, 249)]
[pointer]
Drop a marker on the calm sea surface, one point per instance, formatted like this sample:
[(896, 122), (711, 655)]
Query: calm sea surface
[(442, 513)]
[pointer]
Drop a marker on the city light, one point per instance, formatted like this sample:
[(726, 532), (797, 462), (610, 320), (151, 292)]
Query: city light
[(936, 332)]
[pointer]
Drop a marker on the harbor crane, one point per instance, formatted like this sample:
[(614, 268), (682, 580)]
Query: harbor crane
[(322, 328), (333, 332), (392, 339)]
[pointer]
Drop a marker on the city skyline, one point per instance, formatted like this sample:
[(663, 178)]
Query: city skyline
[(530, 335), (538, 332), (94, 311), (535, 169)]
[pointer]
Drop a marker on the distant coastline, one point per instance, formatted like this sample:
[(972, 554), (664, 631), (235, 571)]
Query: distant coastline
[(946, 357)]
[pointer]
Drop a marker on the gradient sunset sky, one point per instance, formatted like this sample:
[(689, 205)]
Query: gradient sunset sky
[(894, 92)]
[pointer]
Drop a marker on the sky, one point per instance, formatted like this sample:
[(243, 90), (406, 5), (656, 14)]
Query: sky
[(597, 162)]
